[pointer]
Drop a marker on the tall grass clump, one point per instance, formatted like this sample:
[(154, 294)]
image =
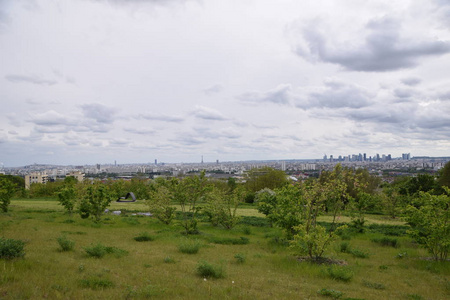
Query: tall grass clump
[(339, 273), (207, 270), (11, 248), (144, 237), (387, 242), (65, 244), (189, 246), (99, 251)]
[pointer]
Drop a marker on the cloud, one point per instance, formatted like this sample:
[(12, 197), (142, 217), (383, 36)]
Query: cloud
[(217, 88), (383, 48), (49, 118), (411, 81), (336, 94), (160, 117), (99, 112), (404, 93), (34, 79), (207, 113), (142, 131), (281, 95)]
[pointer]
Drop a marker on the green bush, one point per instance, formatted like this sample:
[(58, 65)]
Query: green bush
[(65, 244), (144, 237), (340, 273), (11, 248), (207, 270), (169, 260), (344, 247), (359, 253), (230, 241), (96, 283), (240, 258), (387, 242), (99, 250), (330, 293), (189, 246)]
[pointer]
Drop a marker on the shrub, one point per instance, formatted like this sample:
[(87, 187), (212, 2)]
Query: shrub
[(207, 270), (374, 285), (339, 273), (230, 241), (96, 283), (240, 258), (144, 237), (330, 293), (99, 250), (65, 243), (11, 248), (359, 253), (387, 242), (169, 260), (345, 247), (189, 246)]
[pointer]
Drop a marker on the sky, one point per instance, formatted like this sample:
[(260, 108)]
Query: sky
[(131, 81)]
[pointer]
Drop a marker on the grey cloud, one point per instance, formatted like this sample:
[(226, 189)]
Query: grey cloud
[(163, 118), (280, 95), (383, 49), (213, 89), (207, 113), (228, 133), (336, 94), (411, 81), (142, 131), (99, 112), (50, 118), (34, 79), (188, 139), (404, 93)]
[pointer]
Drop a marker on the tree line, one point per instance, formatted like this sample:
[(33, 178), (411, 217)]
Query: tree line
[(423, 201)]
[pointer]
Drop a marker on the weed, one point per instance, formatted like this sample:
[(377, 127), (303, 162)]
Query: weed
[(415, 297), (230, 241), (383, 267), (189, 246), (98, 251), (247, 230), (374, 285), (144, 237), (359, 253), (81, 268), (344, 247), (65, 244), (401, 255), (207, 270), (240, 258), (169, 260), (96, 283), (131, 221), (387, 242), (330, 293), (11, 248), (340, 273)]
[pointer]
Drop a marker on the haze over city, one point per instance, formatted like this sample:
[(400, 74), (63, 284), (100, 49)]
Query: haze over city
[(98, 81)]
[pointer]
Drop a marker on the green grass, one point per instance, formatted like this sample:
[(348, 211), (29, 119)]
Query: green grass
[(258, 267)]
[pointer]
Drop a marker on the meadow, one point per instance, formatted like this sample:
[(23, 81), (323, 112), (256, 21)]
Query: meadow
[(130, 256)]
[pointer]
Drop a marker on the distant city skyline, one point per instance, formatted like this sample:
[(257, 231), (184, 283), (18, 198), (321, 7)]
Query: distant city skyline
[(98, 81)]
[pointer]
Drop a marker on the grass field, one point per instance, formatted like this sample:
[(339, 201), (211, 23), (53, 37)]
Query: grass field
[(261, 268)]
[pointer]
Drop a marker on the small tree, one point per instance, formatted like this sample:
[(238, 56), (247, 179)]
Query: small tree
[(221, 207), (431, 223), (95, 201), (160, 204), (67, 198), (311, 238), (7, 190)]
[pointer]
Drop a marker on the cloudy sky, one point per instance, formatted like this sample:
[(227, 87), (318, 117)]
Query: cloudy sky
[(94, 81)]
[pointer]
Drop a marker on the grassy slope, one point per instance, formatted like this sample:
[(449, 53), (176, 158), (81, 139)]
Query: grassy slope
[(269, 270)]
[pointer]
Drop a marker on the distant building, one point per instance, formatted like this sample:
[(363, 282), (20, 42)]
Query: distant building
[(35, 178), (77, 174)]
